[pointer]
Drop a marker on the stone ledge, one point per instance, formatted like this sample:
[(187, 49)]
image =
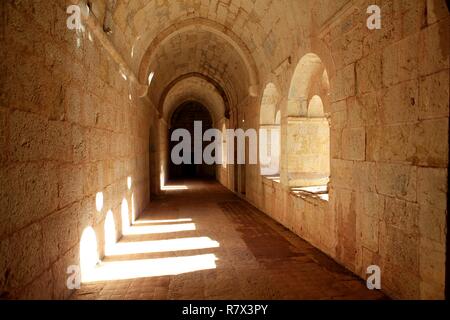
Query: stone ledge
[(316, 193)]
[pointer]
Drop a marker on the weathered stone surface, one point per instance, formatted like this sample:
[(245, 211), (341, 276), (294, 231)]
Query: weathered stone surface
[(400, 103), (29, 194), (60, 233), (369, 73), (435, 48), (434, 96), (354, 144), (402, 215), (3, 134), (431, 141), (432, 264), (397, 181), (432, 198), (381, 148), (344, 84), (401, 61), (34, 138)]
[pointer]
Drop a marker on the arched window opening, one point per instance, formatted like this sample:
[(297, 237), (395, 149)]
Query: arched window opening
[(269, 133), (315, 108), (308, 128)]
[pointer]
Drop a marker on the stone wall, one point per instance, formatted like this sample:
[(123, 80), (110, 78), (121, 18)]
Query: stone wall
[(389, 93), (69, 130)]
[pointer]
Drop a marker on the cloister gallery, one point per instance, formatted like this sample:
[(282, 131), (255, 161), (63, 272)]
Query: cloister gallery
[(354, 95)]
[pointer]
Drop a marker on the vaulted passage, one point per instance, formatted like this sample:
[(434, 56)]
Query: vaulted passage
[(184, 118), (183, 149)]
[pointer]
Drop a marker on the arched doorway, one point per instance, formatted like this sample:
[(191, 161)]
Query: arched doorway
[(184, 117)]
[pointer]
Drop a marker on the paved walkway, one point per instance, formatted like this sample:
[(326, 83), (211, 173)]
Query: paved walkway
[(200, 241)]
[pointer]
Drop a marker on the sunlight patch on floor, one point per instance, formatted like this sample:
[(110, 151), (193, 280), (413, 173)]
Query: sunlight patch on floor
[(153, 246), (133, 269)]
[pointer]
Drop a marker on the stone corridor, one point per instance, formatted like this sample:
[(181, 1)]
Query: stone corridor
[(322, 150), (224, 249)]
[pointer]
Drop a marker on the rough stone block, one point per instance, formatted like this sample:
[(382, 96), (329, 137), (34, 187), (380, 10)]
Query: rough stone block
[(29, 193), (400, 249), (401, 61), (369, 73), (432, 187), (369, 232), (371, 204), (23, 254), (343, 85), (397, 180), (356, 113), (435, 48), (34, 138), (70, 184), (402, 215), (432, 261), (400, 103), (434, 96), (341, 174), (436, 10), (365, 176), (393, 143), (60, 233), (431, 142), (354, 144)]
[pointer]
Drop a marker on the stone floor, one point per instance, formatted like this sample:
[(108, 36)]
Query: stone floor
[(200, 241)]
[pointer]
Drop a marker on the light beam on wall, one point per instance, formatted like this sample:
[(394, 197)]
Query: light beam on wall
[(133, 210), (99, 201), (88, 253), (125, 216), (129, 182), (150, 77), (110, 233)]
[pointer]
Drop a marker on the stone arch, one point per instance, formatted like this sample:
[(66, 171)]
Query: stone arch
[(309, 73), (207, 25), (183, 117), (308, 133), (269, 104), (216, 85), (189, 99), (315, 108)]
